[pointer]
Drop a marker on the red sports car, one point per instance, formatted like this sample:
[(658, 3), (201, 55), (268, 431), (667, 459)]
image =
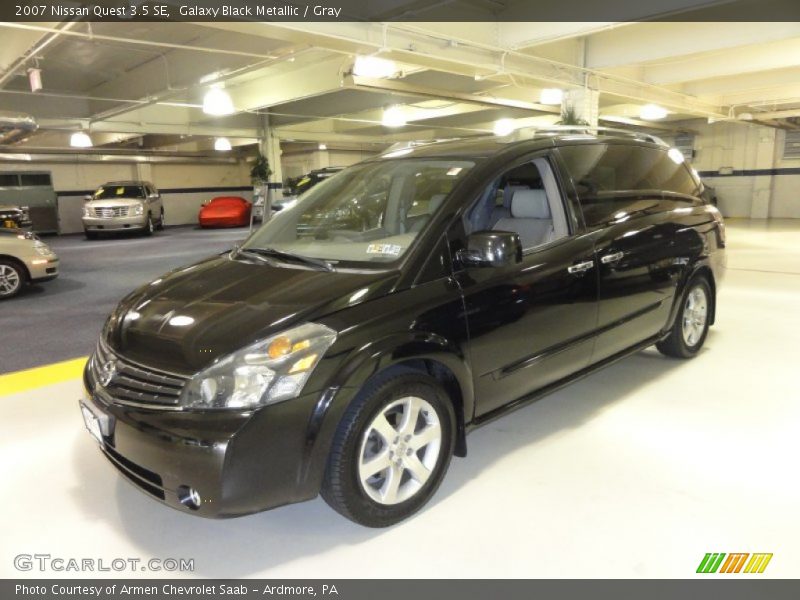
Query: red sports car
[(225, 211)]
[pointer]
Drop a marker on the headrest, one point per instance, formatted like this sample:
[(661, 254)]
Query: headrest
[(530, 204), (435, 202)]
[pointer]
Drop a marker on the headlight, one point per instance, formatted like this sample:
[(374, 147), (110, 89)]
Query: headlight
[(87, 211), (269, 371), (138, 209), (42, 248)]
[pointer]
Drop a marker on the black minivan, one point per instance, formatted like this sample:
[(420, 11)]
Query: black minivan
[(439, 287)]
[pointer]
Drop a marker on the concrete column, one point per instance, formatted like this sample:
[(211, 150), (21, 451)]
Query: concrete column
[(585, 102), (269, 145), (762, 184)]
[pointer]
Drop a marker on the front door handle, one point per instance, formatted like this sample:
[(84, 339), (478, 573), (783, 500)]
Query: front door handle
[(580, 267), (612, 258)]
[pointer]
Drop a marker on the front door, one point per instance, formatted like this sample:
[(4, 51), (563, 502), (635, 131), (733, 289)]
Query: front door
[(530, 324)]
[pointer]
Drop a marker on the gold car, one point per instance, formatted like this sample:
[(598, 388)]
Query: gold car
[(24, 258)]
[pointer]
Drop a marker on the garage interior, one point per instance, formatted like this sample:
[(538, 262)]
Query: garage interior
[(636, 471)]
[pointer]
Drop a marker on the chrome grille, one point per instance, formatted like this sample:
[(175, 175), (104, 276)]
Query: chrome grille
[(109, 212), (131, 383)]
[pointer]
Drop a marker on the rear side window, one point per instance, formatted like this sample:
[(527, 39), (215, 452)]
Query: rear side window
[(615, 178)]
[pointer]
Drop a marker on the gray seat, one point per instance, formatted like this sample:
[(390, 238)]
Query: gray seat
[(433, 205), (530, 218)]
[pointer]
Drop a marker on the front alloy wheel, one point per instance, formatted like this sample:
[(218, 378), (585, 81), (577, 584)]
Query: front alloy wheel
[(399, 450), (149, 228), (11, 279), (391, 450)]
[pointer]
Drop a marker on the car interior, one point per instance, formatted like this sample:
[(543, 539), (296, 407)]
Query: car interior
[(526, 201)]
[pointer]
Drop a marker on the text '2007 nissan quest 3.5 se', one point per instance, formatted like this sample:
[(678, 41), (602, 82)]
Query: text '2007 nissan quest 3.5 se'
[(348, 346)]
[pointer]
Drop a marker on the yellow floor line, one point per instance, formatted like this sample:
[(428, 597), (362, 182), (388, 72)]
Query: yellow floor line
[(29, 379)]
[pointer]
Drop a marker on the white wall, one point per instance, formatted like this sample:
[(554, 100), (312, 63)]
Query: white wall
[(748, 148), (180, 207)]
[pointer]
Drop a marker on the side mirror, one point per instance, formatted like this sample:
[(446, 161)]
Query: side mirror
[(491, 249), (87, 198)]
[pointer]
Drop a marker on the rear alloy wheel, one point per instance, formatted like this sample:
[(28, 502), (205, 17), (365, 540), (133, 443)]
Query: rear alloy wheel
[(691, 325), (12, 278), (391, 451)]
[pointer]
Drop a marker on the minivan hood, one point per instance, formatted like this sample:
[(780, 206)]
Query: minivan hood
[(185, 320)]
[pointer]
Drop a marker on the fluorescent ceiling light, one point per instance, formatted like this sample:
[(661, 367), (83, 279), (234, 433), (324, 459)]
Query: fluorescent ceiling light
[(372, 66), (322, 147), (79, 139), (551, 96), (652, 112), (393, 117), (222, 144), (504, 126), (218, 102)]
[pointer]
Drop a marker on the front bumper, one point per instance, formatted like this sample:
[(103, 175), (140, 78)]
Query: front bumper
[(42, 268), (114, 223), (239, 462)]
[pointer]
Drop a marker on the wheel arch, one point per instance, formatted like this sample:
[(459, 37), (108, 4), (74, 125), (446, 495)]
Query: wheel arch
[(18, 262), (422, 352), (700, 268), (406, 352)]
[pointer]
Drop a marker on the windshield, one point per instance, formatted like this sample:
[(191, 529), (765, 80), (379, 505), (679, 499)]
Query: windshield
[(369, 213), (109, 192)]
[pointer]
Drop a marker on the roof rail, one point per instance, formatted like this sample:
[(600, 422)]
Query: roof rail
[(528, 132)]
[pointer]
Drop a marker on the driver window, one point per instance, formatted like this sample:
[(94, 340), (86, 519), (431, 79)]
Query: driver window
[(524, 200)]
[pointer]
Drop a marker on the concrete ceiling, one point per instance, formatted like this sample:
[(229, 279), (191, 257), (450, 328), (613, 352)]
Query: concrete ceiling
[(142, 84)]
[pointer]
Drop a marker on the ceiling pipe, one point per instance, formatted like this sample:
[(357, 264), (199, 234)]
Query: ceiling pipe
[(15, 127), (46, 41), (131, 41)]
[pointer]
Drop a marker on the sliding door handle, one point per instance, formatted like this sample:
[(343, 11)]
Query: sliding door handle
[(580, 267), (612, 258)]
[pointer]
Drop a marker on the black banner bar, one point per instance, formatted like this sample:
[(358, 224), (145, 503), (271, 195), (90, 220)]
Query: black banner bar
[(733, 588), (399, 10)]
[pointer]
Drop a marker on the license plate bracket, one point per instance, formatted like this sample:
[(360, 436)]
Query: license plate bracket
[(97, 423)]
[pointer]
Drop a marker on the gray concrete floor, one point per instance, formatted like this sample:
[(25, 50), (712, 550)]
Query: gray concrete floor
[(61, 319), (636, 471)]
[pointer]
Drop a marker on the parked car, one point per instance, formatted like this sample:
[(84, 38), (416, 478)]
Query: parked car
[(225, 211), (312, 178), (353, 362), (123, 206), (24, 258), (14, 217)]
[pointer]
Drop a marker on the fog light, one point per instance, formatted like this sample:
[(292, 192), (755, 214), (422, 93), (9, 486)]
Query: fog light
[(189, 497)]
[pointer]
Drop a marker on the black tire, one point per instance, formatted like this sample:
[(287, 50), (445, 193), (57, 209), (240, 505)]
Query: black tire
[(676, 344), (12, 278), (149, 227), (342, 488), (90, 235)]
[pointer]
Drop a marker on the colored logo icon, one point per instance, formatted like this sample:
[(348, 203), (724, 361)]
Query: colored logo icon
[(719, 562)]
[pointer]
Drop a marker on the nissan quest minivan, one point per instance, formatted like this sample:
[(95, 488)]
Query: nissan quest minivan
[(351, 343)]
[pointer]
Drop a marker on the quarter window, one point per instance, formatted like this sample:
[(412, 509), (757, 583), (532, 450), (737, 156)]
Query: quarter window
[(612, 179)]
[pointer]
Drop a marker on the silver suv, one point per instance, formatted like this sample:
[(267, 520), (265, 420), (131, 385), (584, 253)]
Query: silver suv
[(123, 206)]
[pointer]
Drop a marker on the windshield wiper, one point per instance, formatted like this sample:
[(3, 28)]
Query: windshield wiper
[(290, 257)]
